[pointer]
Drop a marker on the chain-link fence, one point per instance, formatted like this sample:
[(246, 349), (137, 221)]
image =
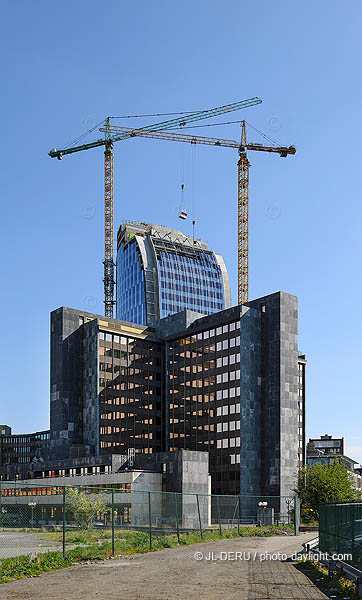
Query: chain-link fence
[(38, 518), (340, 530)]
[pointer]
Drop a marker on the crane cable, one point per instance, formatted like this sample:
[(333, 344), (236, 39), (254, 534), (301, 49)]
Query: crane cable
[(193, 158), (188, 112), (182, 199), (81, 137)]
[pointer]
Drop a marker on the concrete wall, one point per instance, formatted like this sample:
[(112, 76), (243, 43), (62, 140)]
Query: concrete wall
[(145, 494)]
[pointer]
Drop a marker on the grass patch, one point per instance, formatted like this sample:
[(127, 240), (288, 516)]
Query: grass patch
[(331, 584), (132, 537), (97, 545)]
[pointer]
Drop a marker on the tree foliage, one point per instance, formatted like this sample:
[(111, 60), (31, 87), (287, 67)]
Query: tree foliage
[(85, 506), (325, 483)]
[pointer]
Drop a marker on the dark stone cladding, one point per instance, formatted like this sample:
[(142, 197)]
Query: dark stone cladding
[(69, 437), (279, 410), (269, 387)]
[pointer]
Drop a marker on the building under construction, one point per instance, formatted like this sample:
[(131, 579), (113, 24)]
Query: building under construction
[(161, 271)]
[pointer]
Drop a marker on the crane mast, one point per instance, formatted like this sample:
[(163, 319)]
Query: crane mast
[(243, 220), (108, 280)]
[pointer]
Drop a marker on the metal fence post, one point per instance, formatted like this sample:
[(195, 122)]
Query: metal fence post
[(218, 506), (63, 520), (296, 514), (238, 516), (112, 522), (177, 524), (198, 510), (150, 518)]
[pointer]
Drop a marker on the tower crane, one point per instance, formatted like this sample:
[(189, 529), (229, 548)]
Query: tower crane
[(108, 143), (243, 183)]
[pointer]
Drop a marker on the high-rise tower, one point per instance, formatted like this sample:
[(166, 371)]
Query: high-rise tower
[(161, 271)]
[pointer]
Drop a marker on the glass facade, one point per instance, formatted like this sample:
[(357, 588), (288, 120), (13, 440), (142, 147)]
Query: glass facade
[(130, 385), (21, 449), (189, 282), (131, 298), (161, 272), (204, 400)]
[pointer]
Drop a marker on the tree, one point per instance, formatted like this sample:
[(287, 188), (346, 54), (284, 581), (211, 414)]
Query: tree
[(85, 506), (325, 483)]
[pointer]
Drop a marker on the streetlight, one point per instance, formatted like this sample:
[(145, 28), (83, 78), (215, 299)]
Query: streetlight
[(32, 506)]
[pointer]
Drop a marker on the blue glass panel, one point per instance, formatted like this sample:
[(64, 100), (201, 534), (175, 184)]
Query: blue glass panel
[(131, 300), (190, 283)]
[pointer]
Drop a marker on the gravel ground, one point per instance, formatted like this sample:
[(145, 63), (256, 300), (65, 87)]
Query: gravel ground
[(179, 573)]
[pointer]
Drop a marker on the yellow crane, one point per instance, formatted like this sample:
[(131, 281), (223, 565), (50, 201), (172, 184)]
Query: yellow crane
[(243, 183), (108, 142)]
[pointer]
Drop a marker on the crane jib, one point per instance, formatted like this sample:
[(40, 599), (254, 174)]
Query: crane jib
[(196, 116)]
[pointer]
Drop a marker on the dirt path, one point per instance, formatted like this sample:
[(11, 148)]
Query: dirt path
[(179, 574)]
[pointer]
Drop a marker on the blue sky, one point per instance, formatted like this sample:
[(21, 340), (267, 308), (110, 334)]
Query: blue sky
[(65, 66)]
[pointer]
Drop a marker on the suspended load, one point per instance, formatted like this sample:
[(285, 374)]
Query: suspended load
[(182, 213)]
